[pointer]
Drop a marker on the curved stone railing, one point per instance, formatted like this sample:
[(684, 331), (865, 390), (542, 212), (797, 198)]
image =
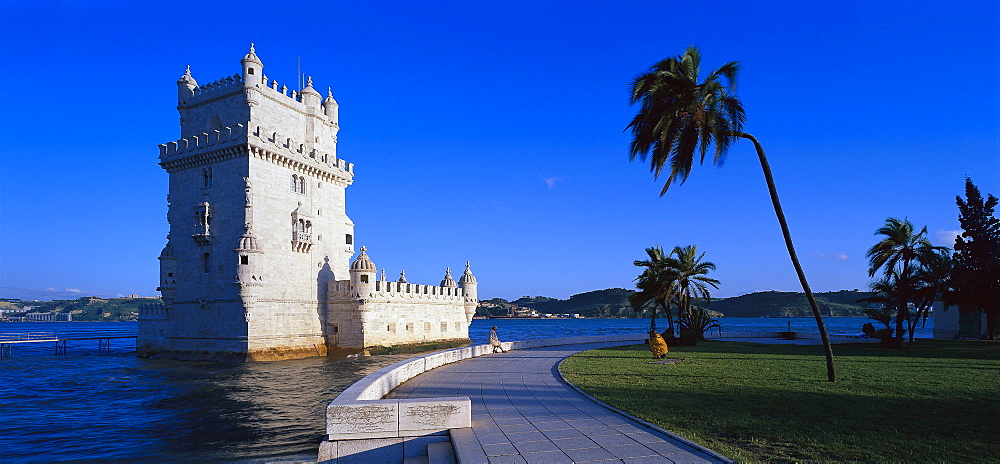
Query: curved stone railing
[(361, 417)]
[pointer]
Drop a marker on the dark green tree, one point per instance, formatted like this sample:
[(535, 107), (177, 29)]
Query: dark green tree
[(680, 117), (976, 279)]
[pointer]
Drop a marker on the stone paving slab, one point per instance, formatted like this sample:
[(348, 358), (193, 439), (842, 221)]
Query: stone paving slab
[(522, 412)]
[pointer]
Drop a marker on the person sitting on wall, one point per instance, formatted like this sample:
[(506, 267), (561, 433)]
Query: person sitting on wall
[(657, 345), (495, 341)]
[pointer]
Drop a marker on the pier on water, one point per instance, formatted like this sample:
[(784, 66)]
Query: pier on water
[(60, 340)]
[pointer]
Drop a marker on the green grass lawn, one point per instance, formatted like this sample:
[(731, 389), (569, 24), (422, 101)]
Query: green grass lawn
[(939, 401)]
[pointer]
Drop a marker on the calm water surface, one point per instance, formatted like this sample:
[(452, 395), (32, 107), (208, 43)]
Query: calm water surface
[(117, 407)]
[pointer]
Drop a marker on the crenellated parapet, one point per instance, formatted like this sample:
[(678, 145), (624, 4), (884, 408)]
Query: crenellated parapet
[(199, 94), (153, 312), (206, 141), (271, 146), (212, 91), (281, 144), (395, 291)]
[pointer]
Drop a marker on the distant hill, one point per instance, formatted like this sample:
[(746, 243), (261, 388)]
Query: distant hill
[(791, 304), (613, 302), (92, 308)]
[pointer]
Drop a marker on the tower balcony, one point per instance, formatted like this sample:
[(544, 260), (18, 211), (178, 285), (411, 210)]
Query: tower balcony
[(202, 239), (302, 242)]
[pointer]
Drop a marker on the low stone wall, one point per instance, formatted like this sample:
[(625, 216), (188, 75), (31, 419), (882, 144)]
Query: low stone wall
[(801, 338), (360, 423), (723, 335)]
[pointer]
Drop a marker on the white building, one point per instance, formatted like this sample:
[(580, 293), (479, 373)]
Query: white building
[(256, 264)]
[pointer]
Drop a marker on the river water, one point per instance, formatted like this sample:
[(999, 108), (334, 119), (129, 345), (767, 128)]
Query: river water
[(116, 407)]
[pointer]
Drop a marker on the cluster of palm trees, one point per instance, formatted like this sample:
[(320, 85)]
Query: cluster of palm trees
[(915, 275), (677, 280)]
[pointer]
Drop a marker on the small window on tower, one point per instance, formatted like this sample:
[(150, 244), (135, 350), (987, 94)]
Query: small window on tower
[(364, 279), (206, 263), (206, 177), (249, 70), (244, 259), (350, 239), (298, 184)]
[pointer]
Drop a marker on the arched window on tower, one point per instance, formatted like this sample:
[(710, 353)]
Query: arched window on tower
[(298, 183), (206, 263)]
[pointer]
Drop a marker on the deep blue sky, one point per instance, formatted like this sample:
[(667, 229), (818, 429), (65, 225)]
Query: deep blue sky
[(492, 132)]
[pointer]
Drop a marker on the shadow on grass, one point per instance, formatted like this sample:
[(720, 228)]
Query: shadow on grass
[(778, 424), (938, 349)]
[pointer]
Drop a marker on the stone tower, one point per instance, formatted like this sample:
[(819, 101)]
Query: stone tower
[(257, 262), (258, 223)]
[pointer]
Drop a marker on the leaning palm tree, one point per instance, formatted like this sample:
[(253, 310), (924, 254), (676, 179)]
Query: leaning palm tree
[(680, 116), (900, 254)]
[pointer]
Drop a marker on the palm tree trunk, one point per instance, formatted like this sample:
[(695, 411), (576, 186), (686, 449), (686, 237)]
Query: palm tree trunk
[(670, 320), (652, 318), (831, 372)]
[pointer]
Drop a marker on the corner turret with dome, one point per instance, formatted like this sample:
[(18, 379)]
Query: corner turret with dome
[(267, 274)]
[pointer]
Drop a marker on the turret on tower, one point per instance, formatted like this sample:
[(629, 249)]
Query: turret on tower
[(253, 69), (309, 96), (363, 272), (448, 281), (186, 86), (331, 107), (470, 289)]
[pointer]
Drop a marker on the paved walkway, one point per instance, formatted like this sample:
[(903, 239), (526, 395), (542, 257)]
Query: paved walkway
[(522, 412)]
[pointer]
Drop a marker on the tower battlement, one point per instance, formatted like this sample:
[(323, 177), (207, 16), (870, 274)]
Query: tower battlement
[(221, 88), (272, 141), (396, 290), (196, 95), (153, 312), (215, 138)]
